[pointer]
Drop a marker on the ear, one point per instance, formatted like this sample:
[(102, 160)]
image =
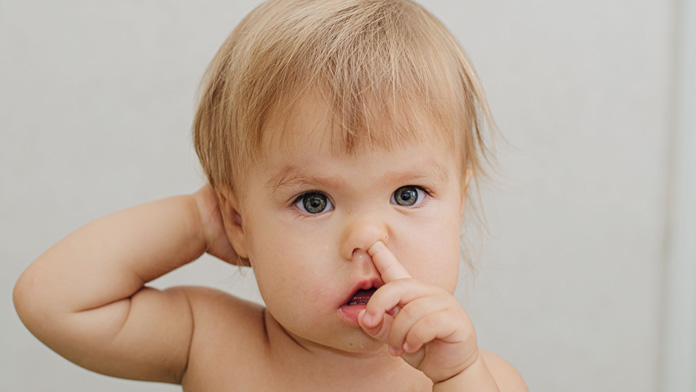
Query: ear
[(234, 225)]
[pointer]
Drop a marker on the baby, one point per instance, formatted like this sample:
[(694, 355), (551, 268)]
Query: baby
[(339, 138)]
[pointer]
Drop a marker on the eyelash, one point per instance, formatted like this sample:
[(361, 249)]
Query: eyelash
[(329, 204), (418, 203), (300, 198)]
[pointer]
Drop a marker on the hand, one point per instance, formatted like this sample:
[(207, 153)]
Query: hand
[(216, 241), (423, 324)]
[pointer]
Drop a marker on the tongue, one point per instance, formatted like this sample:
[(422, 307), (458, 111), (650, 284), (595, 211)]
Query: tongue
[(361, 297)]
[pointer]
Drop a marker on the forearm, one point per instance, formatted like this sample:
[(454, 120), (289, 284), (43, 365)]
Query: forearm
[(476, 377), (112, 258)]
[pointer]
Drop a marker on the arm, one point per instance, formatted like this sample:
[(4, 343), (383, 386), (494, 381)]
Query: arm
[(489, 371), (86, 297)]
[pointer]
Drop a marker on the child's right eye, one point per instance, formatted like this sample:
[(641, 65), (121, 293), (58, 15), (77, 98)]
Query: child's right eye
[(313, 203)]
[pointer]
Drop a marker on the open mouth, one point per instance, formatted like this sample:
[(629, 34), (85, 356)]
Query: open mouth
[(361, 297), (350, 310)]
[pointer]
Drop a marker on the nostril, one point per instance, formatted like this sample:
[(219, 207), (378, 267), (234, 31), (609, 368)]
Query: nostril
[(359, 252)]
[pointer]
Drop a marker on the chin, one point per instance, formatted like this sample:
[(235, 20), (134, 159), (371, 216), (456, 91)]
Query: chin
[(360, 343)]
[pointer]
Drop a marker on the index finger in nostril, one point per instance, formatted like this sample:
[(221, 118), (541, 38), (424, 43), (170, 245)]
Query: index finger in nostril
[(388, 266)]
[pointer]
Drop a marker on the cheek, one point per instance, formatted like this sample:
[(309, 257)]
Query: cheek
[(289, 267), (431, 252)]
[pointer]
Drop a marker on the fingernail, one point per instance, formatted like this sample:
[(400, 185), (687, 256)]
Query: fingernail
[(371, 249), (393, 351)]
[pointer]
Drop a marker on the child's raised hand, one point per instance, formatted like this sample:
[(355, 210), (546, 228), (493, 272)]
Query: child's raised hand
[(423, 324), (217, 243)]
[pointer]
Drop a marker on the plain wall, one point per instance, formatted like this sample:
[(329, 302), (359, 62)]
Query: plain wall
[(97, 99)]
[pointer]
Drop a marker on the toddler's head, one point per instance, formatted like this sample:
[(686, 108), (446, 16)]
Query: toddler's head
[(326, 126), (387, 73)]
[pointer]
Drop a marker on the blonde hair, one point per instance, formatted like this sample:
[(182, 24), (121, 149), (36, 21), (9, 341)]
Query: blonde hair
[(369, 60)]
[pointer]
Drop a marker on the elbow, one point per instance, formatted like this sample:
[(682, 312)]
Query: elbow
[(30, 301), (21, 297)]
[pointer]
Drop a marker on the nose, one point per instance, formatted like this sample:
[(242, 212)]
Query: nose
[(361, 233)]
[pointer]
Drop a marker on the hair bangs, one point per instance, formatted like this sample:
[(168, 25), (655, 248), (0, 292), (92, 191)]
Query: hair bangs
[(385, 82), (387, 72)]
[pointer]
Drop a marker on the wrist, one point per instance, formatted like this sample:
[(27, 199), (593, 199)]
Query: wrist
[(201, 207), (475, 377)]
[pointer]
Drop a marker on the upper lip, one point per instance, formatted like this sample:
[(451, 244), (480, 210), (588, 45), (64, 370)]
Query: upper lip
[(364, 284)]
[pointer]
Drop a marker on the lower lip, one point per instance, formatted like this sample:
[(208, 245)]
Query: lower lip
[(350, 313)]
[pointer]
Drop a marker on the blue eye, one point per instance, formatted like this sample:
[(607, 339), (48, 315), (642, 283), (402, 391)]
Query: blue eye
[(408, 196), (314, 203)]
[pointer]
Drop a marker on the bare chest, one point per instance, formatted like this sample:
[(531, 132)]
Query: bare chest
[(233, 352), (259, 375)]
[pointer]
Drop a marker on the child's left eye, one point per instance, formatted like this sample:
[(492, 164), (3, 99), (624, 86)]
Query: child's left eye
[(408, 196)]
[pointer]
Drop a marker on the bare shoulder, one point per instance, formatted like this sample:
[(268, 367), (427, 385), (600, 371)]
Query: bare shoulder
[(228, 332), (505, 375), (215, 310)]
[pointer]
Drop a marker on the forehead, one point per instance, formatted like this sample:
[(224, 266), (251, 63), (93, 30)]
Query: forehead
[(302, 149), (311, 123), (309, 168)]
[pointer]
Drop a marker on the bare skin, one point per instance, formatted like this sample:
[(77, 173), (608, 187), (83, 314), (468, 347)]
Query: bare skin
[(87, 299)]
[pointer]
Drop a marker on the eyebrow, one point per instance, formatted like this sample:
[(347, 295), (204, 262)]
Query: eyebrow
[(427, 171), (292, 175)]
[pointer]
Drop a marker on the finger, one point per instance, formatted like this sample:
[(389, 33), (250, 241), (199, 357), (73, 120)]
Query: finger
[(440, 325), (387, 265), (379, 331), (410, 314), (389, 299)]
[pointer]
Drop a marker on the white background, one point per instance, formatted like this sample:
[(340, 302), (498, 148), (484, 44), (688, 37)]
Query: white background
[(96, 103)]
